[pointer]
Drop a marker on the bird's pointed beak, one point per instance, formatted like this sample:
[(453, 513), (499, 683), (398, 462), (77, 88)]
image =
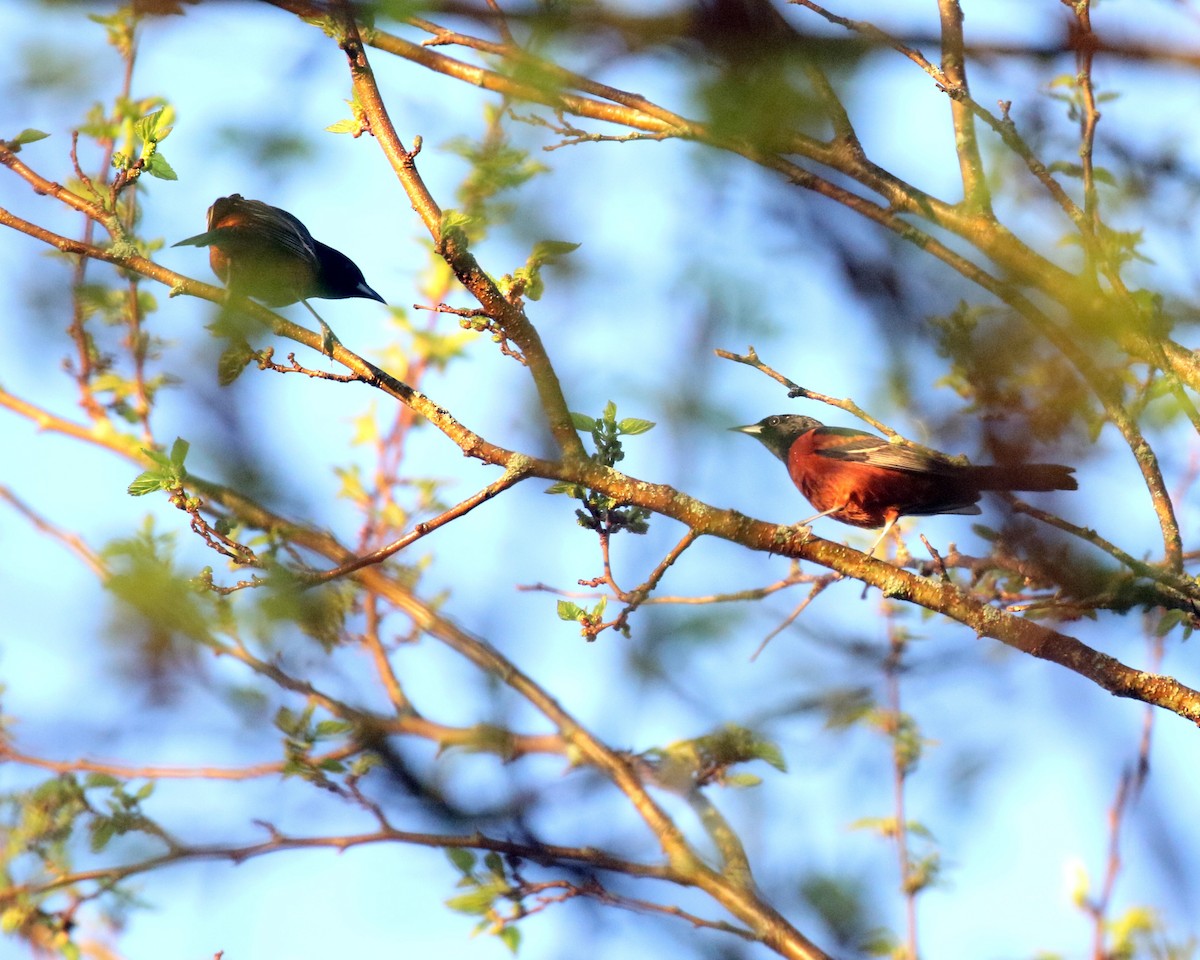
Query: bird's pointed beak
[(199, 240), (368, 293), (754, 429)]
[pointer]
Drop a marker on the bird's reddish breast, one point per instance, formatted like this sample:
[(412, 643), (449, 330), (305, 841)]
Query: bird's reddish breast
[(861, 493)]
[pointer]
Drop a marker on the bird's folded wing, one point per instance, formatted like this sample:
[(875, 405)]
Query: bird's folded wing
[(839, 443)]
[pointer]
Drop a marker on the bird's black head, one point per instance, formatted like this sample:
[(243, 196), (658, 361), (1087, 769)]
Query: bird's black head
[(779, 431), (339, 276)]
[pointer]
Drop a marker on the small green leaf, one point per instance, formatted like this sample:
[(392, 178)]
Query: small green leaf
[(885, 826), (157, 456), (148, 482), (154, 126), (918, 829), (494, 863), (610, 412), (103, 830), (349, 125), (100, 780), (179, 452), (462, 858), (157, 166), (287, 721), (581, 421), (233, 361), (29, 135), (535, 287), (547, 251), (332, 728), (562, 487), (742, 780), (454, 220), (632, 426), (1168, 622), (510, 936), (476, 902), (770, 753), (570, 611)]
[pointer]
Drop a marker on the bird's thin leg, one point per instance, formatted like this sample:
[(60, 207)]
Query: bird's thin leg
[(818, 516), (328, 337), (887, 528)]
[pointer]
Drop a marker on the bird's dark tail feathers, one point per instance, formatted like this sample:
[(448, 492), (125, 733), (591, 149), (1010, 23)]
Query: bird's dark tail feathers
[(1026, 476)]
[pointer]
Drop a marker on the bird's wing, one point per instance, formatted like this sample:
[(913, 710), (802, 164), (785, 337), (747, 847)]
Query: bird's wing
[(842, 443), (252, 218)]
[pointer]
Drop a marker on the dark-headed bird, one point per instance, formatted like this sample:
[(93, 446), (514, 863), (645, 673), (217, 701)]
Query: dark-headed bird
[(264, 252)]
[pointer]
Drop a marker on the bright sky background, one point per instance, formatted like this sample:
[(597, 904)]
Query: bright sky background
[(1027, 755)]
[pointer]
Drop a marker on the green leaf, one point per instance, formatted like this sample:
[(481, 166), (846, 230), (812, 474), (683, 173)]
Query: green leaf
[(478, 901), (103, 830), (100, 780), (494, 863), (148, 482), (918, 829), (581, 421), (29, 135), (288, 721), (563, 487), (510, 936), (884, 826), (769, 752), (157, 166), (349, 125), (546, 251), (845, 706), (462, 858), (155, 126), (1169, 621), (332, 728), (179, 452), (233, 361), (157, 456), (570, 611), (610, 412), (742, 780), (454, 220), (632, 426)]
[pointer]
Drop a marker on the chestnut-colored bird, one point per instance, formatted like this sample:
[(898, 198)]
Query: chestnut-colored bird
[(264, 252), (863, 480)]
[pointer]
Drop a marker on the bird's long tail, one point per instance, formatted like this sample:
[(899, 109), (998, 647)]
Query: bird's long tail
[(1026, 476)]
